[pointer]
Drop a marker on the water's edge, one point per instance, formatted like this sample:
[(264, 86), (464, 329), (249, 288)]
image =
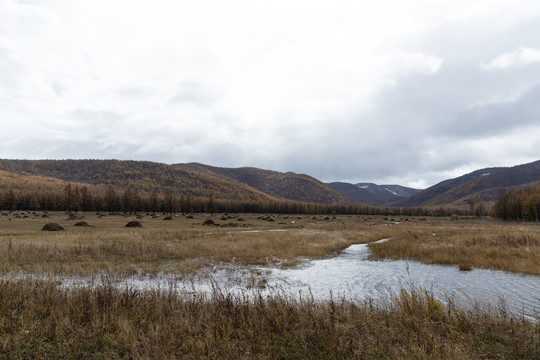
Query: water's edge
[(349, 275)]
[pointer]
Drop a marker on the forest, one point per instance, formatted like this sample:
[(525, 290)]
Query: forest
[(136, 186), (75, 198), (520, 204)]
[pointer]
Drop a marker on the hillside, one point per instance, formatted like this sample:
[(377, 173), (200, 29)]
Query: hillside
[(372, 194), (247, 185), (401, 191), (289, 186), (145, 176), (479, 186)]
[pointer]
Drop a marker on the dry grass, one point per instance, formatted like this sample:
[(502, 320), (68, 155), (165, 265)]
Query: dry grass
[(40, 321), (181, 245), (185, 245), (483, 243)]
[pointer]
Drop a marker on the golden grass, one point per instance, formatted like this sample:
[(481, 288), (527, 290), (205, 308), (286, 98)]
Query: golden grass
[(40, 321), (181, 245), (483, 243), (186, 246)]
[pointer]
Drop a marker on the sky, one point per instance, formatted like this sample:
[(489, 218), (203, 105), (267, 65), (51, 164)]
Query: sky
[(408, 92)]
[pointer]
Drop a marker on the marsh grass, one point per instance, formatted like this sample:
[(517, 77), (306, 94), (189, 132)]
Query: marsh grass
[(489, 244), (40, 321), (182, 245), (186, 246)]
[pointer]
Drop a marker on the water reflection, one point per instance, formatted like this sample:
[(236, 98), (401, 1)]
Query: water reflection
[(352, 276)]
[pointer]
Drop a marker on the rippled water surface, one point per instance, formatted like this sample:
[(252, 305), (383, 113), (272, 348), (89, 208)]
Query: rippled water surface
[(352, 276)]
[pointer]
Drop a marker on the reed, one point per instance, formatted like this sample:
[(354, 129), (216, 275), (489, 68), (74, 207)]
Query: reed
[(38, 320), (489, 244)]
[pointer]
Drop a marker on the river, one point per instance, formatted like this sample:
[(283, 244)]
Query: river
[(350, 275)]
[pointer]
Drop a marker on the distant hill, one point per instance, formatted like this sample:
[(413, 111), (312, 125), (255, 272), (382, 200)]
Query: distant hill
[(145, 176), (401, 191), (249, 185), (479, 186), (289, 186), (194, 180), (373, 194)]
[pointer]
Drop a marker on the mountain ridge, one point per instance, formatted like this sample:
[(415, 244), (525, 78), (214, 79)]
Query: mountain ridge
[(250, 184), (483, 185), (370, 193), (289, 185)]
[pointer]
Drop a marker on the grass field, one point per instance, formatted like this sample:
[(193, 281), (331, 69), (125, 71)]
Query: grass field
[(186, 245), (38, 319), (467, 243), (178, 245)]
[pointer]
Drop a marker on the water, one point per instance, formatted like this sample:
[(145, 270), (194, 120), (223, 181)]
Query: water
[(352, 276)]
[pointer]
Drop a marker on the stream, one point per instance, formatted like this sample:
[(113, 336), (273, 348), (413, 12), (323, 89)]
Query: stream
[(351, 276)]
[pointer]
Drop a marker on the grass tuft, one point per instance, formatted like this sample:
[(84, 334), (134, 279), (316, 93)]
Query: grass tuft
[(41, 321)]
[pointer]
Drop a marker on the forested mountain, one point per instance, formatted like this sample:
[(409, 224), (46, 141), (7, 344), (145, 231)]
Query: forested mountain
[(479, 186), (373, 194), (130, 185), (290, 186), (143, 175), (401, 191), (134, 186)]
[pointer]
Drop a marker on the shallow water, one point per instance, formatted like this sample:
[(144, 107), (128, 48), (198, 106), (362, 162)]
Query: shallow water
[(351, 276)]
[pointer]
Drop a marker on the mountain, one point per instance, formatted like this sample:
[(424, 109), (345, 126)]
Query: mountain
[(249, 185), (401, 191), (479, 186), (145, 176), (289, 186), (372, 194), (194, 180)]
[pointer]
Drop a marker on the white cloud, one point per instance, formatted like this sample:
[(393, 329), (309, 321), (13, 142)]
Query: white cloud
[(406, 63), (338, 89), (512, 59)]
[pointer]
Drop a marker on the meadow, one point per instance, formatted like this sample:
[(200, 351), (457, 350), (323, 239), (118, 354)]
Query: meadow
[(39, 319), (184, 245)]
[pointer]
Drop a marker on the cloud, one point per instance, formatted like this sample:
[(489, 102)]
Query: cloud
[(342, 90), (406, 63), (513, 59)]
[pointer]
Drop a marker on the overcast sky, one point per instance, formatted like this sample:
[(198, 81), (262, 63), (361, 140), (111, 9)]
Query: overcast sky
[(410, 92)]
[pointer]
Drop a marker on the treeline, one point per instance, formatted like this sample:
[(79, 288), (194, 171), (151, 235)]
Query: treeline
[(522, 204), (146, 177), (132, 200)]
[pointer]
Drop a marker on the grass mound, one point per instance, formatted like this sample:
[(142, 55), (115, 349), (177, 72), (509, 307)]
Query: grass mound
[(134, 223), (52, 227)]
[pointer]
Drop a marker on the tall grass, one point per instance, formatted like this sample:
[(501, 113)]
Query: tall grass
[(40, 321), (468, 243)]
